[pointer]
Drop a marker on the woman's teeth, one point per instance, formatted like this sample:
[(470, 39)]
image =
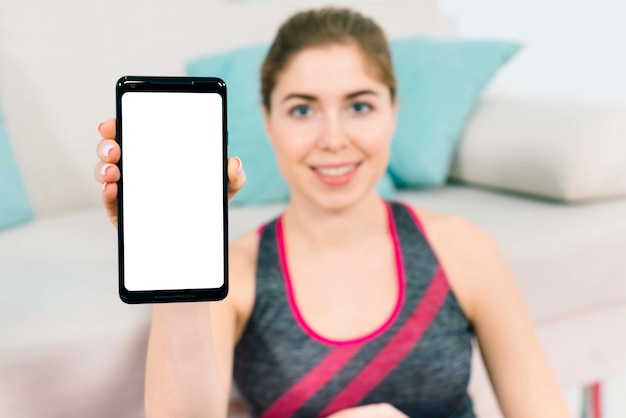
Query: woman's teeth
[(336, 171)]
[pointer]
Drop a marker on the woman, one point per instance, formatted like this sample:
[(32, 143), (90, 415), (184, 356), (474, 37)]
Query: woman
[(346, 305)]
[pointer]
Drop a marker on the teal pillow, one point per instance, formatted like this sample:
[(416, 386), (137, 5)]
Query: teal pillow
[(240, 69), (439, 83), (14, 205)]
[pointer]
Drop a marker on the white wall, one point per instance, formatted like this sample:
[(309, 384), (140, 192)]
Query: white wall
[(573, 48)]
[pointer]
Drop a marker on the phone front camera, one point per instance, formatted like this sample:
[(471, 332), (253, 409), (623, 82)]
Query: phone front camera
[(132, 86)]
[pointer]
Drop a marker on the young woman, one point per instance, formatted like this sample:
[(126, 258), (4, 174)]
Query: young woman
[(346, 305)]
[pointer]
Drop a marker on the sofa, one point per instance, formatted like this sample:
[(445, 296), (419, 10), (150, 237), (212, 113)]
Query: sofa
[(545, 177)]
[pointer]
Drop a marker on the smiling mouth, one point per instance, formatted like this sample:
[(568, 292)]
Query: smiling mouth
[(336, 175), (335, 171)]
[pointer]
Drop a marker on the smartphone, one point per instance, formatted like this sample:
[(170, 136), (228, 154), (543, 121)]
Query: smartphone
[(172, 194)]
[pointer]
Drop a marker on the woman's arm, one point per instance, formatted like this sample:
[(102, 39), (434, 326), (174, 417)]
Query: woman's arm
[(487, 291), (191, 345), (189, 360), (190, 348)]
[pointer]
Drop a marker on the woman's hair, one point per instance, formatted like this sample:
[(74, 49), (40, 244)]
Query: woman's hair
[(322, 27)]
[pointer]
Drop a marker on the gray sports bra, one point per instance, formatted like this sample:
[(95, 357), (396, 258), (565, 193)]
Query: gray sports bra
[(418, 361)]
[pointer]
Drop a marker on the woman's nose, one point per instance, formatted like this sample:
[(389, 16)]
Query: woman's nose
[(333, 135)]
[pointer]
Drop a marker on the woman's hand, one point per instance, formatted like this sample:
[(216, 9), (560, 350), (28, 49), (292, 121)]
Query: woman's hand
[(107, 173), (380, 410)]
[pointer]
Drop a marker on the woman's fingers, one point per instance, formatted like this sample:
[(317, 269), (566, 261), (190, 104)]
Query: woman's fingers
[(236, 177), (109, 151), (106, 172), (109, 198), (107, 129)]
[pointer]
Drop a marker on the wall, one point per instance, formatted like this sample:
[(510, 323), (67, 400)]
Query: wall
[(573, 48)]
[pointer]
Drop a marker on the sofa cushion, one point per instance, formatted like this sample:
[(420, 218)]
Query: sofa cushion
[(68, 345), (563, 150), (15, 207)]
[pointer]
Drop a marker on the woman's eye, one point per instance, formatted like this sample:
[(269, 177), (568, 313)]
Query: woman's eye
[(360, 107), (301, 111)]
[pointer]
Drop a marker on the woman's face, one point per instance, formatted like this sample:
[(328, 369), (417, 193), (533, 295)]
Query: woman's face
[(331, 124)]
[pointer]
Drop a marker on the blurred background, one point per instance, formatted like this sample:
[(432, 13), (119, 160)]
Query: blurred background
[(571, 47), (534, 151)]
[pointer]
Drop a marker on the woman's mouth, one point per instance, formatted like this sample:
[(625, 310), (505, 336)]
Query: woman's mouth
[(335, 174)]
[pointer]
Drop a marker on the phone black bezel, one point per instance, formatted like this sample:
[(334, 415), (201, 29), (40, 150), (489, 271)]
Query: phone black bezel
[(170, 84)]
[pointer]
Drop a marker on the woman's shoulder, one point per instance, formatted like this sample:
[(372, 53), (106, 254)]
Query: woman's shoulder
[(243, 250), (438, 223), (467, 253)]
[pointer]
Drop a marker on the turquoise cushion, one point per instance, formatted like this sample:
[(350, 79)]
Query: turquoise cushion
[(246, 135), (14, 205), (439, 83)]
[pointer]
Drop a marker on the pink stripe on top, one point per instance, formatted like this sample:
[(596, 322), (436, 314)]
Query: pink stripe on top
[(301, 392), (421, 228), (294, 306), (396, 349), (260, 229)]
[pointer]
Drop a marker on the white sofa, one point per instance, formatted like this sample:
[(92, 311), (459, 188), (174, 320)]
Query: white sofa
[(70, 348)]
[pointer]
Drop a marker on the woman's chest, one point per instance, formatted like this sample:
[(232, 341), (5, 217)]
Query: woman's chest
[(346, 298)]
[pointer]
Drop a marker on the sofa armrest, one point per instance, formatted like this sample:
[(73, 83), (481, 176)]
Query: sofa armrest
[(565, 150)]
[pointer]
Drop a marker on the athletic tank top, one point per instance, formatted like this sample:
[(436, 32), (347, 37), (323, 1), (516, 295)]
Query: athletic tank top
[(418, 361)]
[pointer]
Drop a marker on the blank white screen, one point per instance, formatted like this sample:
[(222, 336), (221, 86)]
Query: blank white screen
[(173, 191)]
